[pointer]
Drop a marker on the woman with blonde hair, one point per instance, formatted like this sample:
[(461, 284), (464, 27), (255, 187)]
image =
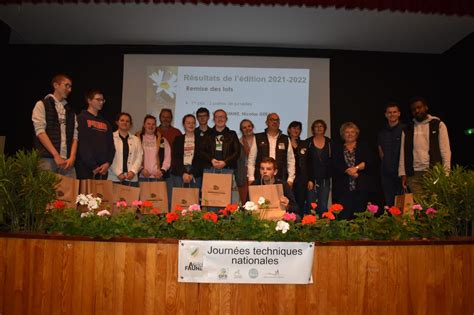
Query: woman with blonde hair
[(352, 172)]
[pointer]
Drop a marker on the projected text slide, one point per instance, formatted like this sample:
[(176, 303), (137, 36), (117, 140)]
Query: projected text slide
[(249, 93)]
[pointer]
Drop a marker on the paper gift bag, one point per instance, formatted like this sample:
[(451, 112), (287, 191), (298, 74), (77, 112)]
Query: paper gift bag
[(274, 210), (157, 193), (100, 188), (126, 193), (216, 189), (184, 197), (67, 190), (404, 202)]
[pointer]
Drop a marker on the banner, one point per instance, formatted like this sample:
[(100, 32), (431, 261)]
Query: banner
[(245, 262)]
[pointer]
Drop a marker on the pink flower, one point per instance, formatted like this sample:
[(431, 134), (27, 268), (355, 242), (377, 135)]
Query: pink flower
[(121, 203), (372, 208), (289, 216), (431, 211), (137, 203), (194, 207), (417, 207)]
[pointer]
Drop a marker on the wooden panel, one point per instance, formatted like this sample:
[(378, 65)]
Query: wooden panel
[(41, 276)]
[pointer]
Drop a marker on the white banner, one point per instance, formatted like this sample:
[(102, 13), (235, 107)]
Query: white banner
[(245, 262)]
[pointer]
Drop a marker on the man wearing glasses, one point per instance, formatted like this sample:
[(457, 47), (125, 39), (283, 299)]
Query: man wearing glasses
[(272, 143), (56, 129), (96, 144)]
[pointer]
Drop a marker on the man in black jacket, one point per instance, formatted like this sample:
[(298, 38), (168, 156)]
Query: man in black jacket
[(221, 147), (96, 144)]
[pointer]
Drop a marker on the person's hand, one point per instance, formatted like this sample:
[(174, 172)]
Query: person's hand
[(70, 162), (122, 177), (187, 178), (60, 162), (102, 169), (284, 201), (290, 183), (214, 163), (130, 175), (146, 173), (404, 182), (351, 171), (250, 182), (310, 185), (159, 174)]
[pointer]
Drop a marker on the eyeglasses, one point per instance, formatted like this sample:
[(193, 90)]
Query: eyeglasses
[(99, 100)]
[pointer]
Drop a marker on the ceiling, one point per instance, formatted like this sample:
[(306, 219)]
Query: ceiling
[(263, 26)]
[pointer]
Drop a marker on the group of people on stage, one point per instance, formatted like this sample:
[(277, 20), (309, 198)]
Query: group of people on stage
[(86, 147)]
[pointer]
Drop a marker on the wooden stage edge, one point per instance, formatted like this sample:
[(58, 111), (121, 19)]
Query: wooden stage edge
[(53, 274)]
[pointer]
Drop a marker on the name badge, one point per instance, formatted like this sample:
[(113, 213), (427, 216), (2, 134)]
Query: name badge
[(281, 146)]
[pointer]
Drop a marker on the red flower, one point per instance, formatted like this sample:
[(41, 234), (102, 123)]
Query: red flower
[(314, 205), (394, 211), (59, 204), (211, 216), (155, 211), (171, 217), (231, 208), (308, 219), (147, 203), (329, 215), (178, 208), (336, 208)]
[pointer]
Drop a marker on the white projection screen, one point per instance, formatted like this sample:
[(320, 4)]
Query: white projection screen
[(245, 87)]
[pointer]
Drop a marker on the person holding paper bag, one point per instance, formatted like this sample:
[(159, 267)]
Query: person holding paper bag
[(186, 165), (156, 152), (128, 153), (221, 147), (96, 148), (268, 170)]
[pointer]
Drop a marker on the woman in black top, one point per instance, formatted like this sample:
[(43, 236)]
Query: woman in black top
[(185, 163), (319, 163), (352, 166)]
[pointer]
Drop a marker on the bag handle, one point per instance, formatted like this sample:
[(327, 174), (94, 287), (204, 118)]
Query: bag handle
[(100, 176)]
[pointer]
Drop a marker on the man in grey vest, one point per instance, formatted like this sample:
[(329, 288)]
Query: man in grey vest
[(56, 129), (424, 143), (272, 143)]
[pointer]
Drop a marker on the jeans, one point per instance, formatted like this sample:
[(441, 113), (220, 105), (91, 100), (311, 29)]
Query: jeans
[(320, 195), (49, 165)]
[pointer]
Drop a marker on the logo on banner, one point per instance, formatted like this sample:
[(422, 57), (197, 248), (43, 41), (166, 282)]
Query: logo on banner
[(253, 273), (275, 274), (223, 274)]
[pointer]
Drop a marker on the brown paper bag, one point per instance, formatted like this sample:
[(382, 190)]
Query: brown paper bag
[(124, 193), (405, 203), (216, 189), (184, 197), (99, 187), (272, 193), (157, 193), (67, 190)]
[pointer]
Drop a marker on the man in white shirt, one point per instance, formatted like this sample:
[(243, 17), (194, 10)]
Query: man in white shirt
[(56, 129), (272, 143), (424, 143)]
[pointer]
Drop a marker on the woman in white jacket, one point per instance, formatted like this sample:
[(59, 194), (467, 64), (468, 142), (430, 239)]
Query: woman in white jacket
[(128, 153)]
